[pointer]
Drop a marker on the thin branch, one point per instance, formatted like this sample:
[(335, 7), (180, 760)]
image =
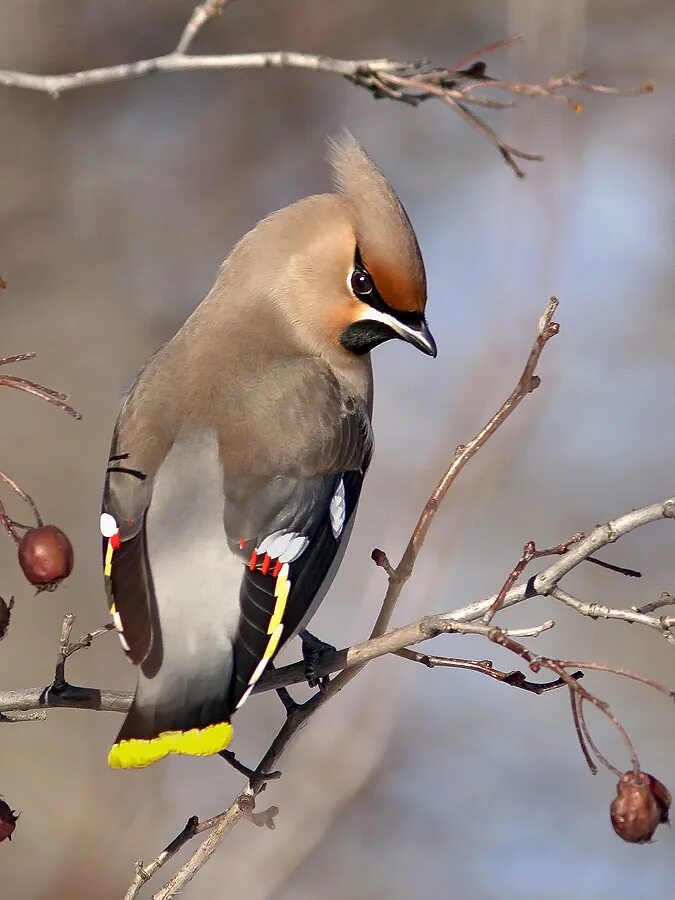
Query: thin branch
[(588, 738), (96, 699), (665, 599), (579, 727), (459, 621), (527, 383), (18, 357), (536, 663), (405, 82), (66, 649), (489, 48), (618, 670), (145, 872), (393, 640), (39, 390), (201, 14), (8, 523), (529, 553), (485, 667), (612, 567), (662, 624), (38, 716)]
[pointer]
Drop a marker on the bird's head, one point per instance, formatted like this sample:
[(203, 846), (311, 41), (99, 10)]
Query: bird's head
[(383, 288), (342, 271)]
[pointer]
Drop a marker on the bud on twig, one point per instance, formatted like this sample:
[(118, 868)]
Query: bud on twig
[(45, 556), (641, 804)]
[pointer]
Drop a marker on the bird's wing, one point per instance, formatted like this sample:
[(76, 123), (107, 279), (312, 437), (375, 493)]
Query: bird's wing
[(128, 583), (292, 539)]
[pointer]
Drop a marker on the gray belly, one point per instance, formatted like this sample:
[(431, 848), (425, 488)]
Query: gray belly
[(196, 576)]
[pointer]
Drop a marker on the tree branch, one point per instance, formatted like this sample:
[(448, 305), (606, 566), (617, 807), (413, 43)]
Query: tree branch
[(406, 82), (544, 584), (349, 662)]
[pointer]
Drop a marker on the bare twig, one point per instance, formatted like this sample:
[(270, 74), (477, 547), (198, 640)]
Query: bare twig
[(527, 382), (579, 727), (530, 552), (663, 624), (409, 83), (393, 640), (201, 14), (485, 667), (487, 49), (66, 649), (145, 872), (612, 567), (38, 716), (31, 387), (349, 662), (536, 663), (664, 600), (96, 699), (39, 390), (390, 642), (588, 738), (11, 525), (18, 357), (620, 671)]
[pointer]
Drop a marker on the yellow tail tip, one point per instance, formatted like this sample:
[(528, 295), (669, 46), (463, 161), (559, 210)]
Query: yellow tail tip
[(136, 753)]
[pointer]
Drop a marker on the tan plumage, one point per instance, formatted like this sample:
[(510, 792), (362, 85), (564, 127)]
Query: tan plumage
[(249, 434), (381, 226)]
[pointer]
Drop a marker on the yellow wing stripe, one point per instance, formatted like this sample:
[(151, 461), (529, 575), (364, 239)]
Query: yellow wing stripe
[(137, 753), (270, 649), (281, 589), (272, 644), (107, 568)]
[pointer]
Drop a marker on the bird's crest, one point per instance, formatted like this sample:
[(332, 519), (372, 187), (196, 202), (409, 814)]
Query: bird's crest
[(385, 238)]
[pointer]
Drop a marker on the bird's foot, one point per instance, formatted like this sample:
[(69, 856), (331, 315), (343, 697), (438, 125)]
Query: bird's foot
[(313, 649)]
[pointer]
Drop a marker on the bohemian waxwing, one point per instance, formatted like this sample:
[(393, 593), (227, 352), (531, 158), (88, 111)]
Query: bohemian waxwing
[(238, 457)]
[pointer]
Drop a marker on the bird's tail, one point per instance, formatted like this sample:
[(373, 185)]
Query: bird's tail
[(187, 717)]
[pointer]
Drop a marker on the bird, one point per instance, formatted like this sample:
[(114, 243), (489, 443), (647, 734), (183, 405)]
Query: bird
[(239, 454)]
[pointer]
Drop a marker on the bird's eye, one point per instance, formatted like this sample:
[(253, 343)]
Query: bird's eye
[(361, 283)]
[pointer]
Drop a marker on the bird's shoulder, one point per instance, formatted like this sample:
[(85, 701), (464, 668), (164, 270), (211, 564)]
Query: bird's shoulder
[(297, 417)]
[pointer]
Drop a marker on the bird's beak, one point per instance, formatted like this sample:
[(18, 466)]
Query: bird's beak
[(419, 337), (416, 333)]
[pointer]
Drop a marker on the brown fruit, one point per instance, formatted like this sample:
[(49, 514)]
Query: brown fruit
[(7, 821), (641, 804), (45, 556), (5, 612)]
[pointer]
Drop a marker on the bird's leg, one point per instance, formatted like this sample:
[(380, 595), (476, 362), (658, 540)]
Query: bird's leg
[(254, 778), (313, 648)]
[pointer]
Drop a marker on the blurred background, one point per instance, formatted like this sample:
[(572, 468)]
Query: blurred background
[(117, 204)]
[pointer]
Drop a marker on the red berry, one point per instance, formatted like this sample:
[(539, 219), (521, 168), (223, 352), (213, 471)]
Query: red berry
[(641, 804), (45, 556), (7, 821)]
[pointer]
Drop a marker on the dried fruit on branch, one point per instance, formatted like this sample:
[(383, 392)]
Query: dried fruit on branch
[(7, 821), (642, 803), (45, 556), (5, 613)]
